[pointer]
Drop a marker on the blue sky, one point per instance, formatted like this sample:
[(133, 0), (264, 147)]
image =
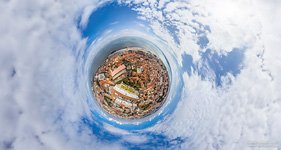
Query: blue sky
[(224, 66)]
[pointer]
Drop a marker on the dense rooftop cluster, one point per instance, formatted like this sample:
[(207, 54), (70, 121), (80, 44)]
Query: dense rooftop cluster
[(132, 83)]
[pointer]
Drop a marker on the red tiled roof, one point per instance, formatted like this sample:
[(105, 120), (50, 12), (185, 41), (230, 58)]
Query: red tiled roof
[(106, 82), (120, 68)]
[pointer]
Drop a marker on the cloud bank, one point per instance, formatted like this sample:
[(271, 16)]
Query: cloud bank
[(227, 51)]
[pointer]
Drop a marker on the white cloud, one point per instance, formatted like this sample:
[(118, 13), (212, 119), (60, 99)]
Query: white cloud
[(229, 117), (39, 107)]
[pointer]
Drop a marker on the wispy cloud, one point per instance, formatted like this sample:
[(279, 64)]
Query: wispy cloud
[(42, 99)]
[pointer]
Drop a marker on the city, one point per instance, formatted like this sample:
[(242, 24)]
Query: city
[(132, 83)]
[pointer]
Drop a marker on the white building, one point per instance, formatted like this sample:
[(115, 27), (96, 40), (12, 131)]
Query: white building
[(126, 91), (125, 103), (101, 76)]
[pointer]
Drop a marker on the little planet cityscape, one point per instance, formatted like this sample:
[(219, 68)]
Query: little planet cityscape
[(131, 83)]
